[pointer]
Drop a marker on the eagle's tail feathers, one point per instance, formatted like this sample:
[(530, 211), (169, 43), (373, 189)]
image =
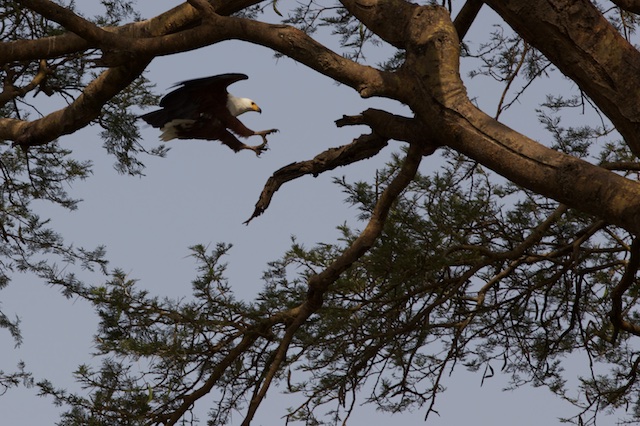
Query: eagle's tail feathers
[(172, 129)]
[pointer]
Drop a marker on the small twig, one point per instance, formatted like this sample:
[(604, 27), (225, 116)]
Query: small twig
[(510, 79)]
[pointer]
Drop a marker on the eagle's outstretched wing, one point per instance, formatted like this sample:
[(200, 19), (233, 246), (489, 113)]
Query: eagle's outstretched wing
[(200, 95), (193, 98)]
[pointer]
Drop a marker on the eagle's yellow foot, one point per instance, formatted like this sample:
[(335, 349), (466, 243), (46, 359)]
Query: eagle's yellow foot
[(259, 149)]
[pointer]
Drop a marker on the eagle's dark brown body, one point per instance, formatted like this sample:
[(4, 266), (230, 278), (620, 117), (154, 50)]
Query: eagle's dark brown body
[(203, 109)]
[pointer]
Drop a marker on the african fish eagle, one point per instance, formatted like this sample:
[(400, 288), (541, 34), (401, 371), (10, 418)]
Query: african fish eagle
[(203, 109)]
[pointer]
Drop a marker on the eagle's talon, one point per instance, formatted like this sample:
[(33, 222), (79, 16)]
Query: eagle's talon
[(262, 149), (259, 149), (264, 133)]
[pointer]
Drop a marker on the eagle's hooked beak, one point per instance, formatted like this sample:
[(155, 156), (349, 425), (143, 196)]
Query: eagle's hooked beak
[(256, 108)]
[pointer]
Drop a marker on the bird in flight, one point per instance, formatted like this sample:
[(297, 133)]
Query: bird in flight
[(204, 109)]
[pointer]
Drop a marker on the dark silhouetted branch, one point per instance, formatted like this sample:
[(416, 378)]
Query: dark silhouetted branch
[(364, 147)]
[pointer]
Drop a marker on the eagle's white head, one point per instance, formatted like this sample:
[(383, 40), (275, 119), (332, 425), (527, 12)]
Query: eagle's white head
[(237, 106)]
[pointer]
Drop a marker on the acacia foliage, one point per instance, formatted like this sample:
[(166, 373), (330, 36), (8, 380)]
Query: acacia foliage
[(511, 255)]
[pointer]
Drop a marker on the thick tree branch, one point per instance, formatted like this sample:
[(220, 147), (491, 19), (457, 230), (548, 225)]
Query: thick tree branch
[(78, 114), (575, 36), (632, 6), (375, 15), (467, 15), (556, 175), (432, 87), (622, 166), (89, 104), (434, 91), (297, 45), (214, 28), (175, 20)]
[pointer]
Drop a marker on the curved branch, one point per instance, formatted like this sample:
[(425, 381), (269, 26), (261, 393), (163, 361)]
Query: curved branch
[(78, 114), (175, 20), (299, 46), (365, 146), (385, 126)]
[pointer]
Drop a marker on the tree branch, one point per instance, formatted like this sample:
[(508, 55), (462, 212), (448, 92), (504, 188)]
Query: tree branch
[(177, 19), (299, 46), (385, 126), (10, 91), (90, 32), (628, 279), (622, 166), (375, 15), (588, 49), (389, 126), (320, 282), (365, 146), (466, 16), (78, 114), (632, 6), (436, 94)]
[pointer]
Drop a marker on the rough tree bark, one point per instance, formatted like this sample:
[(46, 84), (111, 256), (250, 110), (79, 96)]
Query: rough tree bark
[(428, 82)]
